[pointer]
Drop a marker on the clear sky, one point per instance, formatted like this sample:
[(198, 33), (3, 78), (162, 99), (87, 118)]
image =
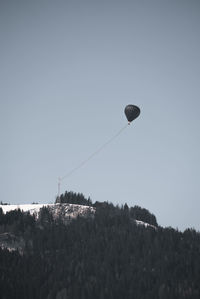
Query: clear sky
[(68, 69)]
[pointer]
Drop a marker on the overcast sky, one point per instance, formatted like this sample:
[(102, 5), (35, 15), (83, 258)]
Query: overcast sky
[(67, 71)]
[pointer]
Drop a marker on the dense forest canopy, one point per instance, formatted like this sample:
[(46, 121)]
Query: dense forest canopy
[(105, 256), (135, 212), (73, 198)]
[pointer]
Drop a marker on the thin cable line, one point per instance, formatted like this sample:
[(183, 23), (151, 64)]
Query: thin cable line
[(92, 155)]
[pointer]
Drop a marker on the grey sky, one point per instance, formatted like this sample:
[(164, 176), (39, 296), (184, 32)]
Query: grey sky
[(68, 69)]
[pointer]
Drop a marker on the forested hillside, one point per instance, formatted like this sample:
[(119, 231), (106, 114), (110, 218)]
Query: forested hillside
[(107, 256)]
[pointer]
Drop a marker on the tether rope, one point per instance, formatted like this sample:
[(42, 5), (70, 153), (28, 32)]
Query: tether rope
[(90, 157)]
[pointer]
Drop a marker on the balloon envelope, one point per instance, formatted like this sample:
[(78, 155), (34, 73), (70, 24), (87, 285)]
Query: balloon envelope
[(131, 112)]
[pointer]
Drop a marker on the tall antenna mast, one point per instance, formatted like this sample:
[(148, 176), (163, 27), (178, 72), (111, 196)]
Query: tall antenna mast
[(59, 182)]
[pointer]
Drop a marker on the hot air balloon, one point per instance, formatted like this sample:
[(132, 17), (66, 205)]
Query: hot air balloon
[(131, 112)]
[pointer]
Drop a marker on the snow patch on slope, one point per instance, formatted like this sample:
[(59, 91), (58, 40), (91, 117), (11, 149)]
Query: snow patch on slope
[(57, 210), (11, 242), (139, 222), (32, 208), (65, 210)]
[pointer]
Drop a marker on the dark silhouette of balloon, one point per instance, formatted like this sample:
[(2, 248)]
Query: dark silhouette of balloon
[(131, 112)]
